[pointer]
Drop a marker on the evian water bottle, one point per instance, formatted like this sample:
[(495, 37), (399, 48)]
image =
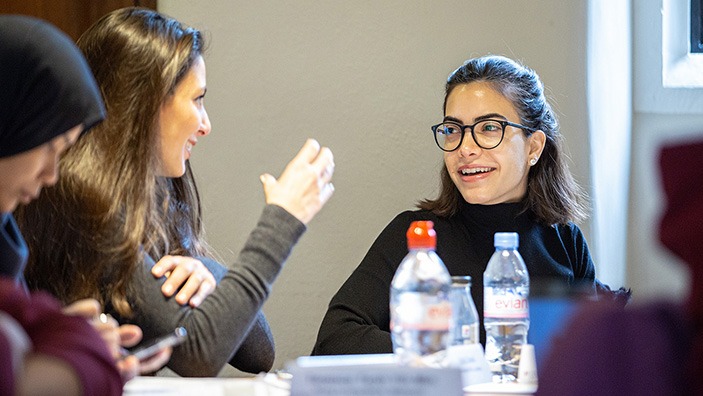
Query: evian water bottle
[(506, 286), (420, 309)]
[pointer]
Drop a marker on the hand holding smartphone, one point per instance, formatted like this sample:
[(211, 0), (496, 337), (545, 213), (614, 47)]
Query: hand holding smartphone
[(176, 337)]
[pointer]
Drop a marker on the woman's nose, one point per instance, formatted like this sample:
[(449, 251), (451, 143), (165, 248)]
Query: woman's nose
[(50, 173), (205, 126), (468, 146)]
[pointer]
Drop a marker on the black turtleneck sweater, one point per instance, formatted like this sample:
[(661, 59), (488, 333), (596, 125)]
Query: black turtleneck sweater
[(357, 320)]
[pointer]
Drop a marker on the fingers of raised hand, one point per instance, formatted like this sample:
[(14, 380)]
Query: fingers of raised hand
[(305, 185), (314, 180), (324, 166), (307, 153), (326, 192), (324, 163)]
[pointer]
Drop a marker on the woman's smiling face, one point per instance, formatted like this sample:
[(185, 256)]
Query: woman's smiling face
[(493, 176), (182, 120)]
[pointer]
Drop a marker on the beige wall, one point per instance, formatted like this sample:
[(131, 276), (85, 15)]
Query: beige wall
[(651, 271), (365, 78)]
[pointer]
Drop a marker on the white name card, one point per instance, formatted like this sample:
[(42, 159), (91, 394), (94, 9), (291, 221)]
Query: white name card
[(380, 377), (473, 364)]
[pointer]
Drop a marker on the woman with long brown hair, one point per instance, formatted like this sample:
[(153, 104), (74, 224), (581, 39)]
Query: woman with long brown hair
[(127, 207)]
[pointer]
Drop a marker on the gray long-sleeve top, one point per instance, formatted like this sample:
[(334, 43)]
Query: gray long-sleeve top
[(230, 319)]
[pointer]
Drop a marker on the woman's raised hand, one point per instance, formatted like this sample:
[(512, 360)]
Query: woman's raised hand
[(305, 185)]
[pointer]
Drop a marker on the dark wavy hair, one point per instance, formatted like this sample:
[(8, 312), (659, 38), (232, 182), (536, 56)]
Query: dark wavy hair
[(88, 233), (552, 193)]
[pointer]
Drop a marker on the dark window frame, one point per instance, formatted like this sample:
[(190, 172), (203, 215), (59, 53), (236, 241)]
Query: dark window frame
[(696, 27)]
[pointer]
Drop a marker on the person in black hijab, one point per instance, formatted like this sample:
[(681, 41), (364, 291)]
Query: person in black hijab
[(47, 87), (48, 97)]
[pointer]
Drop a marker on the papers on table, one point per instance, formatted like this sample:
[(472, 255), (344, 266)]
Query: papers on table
[(369, 375)]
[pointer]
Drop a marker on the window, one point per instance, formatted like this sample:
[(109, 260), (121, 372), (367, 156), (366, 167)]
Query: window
[(696, 27), (680, 67), (668, 76)]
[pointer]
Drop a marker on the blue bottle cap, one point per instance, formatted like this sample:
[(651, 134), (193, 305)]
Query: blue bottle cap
[(506, 240)]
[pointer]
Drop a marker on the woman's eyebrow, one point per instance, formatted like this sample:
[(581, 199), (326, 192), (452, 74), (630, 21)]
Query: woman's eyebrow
[(477, 119), (490, 115), (453, 119)]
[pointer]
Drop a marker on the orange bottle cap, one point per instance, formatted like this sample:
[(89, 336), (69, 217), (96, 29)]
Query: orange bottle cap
[(421, 234)]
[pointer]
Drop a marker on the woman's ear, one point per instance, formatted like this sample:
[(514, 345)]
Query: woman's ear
[(536, 142)]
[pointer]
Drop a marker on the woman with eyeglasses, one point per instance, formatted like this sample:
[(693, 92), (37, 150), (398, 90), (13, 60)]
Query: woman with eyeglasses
[(504, 170)]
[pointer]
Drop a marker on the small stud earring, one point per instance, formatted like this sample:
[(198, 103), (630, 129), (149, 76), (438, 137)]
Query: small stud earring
[(533, 161)]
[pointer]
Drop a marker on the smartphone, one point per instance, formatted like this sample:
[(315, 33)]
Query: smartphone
[(176, 337)]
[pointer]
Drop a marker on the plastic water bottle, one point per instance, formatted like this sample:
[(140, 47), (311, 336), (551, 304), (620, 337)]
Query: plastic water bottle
[(465, 316), (506, 316), (420, 309)]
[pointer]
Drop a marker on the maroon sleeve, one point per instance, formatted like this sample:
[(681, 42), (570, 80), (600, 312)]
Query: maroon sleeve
[(7, 376), (71, 339), (607, 350)]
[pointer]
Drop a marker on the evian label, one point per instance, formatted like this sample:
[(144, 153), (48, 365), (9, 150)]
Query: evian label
[(505, 303), (420, 311)]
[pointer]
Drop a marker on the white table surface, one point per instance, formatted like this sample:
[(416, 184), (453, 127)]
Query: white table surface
[(262, 385), (269, 385)]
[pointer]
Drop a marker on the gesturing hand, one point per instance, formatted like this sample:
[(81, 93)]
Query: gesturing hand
[(305, 185), (198, 282)]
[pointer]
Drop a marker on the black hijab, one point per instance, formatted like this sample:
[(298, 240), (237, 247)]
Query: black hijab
[(46, 86)]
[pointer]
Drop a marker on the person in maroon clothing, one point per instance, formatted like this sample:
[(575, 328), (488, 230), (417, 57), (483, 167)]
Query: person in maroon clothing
[(54, 353), (654, 348), (48, 99)]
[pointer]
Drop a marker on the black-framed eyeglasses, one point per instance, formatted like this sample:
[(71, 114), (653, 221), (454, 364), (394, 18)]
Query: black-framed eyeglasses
[(487, 134)]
